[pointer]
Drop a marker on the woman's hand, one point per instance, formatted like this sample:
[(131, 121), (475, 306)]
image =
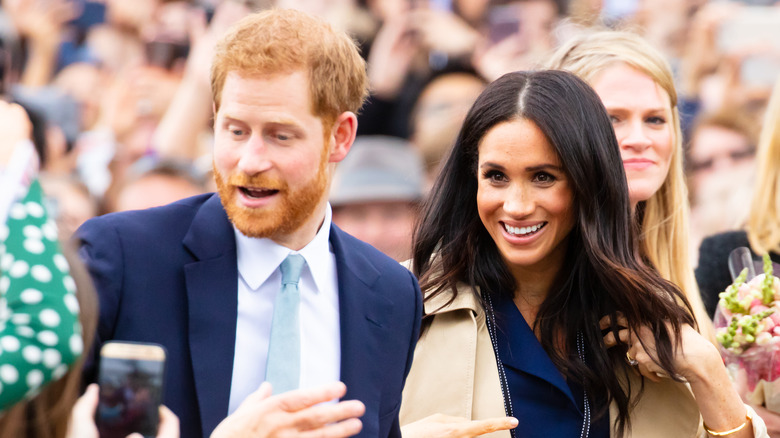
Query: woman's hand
[(697, 361), (446, 426), (695, 356), (82, 418), (15, 126)]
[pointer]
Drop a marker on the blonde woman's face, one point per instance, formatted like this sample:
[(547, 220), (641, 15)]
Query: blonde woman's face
[(641, 115)]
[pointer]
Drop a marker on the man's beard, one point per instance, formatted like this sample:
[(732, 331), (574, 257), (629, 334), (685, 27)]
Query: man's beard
[(291, 211)]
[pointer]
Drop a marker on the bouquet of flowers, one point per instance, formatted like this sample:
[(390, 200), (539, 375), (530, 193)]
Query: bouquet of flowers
[(748, 330)]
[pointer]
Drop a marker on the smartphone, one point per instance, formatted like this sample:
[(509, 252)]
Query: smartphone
[(131, 383)]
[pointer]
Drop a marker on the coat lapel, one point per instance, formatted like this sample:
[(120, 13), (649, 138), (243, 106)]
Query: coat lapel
[(212, 284), (361, 312)]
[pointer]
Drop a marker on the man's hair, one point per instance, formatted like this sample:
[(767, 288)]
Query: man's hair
[(284, 41)]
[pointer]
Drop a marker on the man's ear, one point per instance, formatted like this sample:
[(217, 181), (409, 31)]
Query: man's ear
[(342, 136)]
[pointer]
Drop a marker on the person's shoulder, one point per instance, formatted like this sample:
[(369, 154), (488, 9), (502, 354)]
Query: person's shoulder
[(725, 241)]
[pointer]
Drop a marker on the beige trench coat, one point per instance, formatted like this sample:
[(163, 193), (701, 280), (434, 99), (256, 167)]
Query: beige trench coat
[(454, 372)]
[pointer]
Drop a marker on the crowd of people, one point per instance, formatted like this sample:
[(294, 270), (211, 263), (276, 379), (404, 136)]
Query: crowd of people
[(441, 218)]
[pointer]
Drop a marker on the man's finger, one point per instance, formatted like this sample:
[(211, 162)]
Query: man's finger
[(298, 399), (320, 415), (342, 429), (481, 427)]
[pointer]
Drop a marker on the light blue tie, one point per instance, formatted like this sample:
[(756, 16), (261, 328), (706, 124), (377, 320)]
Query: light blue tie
[(283, 369)]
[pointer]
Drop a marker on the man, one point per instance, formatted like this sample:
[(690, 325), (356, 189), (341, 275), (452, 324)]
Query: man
[(202, 276)]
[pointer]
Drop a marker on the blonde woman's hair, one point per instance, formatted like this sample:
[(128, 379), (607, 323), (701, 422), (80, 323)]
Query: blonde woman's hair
[(763, 224), (664, 227)]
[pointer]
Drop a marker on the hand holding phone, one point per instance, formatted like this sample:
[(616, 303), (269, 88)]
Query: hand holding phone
[(131, 381)]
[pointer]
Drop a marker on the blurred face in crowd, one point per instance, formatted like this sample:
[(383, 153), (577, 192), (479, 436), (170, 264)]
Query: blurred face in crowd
[(641, 114), (387, 226), (716, 153), (270, 163), (154, 190), (524, 198), (440, 111)]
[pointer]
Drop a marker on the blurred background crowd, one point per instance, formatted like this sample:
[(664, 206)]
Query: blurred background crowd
[(119, 93)]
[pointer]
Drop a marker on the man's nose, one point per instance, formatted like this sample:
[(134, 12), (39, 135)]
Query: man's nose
[(254, 157)]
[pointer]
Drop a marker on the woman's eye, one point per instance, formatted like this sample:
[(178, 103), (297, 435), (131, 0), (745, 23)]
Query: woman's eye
[(613, 119), (656, 120), (544, 177), (494, 176)]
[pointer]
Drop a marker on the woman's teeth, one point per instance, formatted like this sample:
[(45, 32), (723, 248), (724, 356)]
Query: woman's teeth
[(524, 231)]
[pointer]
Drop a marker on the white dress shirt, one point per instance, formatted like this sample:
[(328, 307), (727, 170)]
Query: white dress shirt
[(259, 280)]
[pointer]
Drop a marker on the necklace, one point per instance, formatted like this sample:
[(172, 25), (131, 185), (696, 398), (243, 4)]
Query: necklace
[(490, 322)]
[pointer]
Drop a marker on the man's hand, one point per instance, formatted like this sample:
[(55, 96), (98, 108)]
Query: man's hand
[(294, 414), (445, 426)]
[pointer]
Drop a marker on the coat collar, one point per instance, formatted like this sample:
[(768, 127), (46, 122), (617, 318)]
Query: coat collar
[(212, 303)]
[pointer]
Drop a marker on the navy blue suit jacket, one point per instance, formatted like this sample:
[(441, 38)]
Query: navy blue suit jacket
[(168, 275)]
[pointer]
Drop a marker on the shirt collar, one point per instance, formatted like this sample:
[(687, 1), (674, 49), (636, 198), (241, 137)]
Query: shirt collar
[(258, 258)]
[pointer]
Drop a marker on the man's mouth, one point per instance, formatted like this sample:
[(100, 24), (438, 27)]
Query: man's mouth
[(257, 193)]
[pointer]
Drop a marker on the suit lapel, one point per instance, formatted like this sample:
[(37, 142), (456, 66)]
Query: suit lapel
[(361, 312), (212, 306)]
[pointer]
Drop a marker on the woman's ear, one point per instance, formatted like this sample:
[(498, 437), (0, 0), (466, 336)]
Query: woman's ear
[(342, 136)]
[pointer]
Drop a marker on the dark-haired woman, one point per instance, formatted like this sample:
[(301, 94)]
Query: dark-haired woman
[(537, 303)]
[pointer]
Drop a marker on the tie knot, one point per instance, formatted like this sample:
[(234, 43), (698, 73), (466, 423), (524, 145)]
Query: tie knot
[(291, 268)]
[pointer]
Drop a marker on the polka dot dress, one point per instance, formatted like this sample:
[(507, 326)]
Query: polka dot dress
[(40, 335)]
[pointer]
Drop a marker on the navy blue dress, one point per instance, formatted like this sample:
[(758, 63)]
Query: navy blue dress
[(545, 404)]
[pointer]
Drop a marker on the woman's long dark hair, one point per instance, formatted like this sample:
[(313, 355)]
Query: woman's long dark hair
[(603, 273)]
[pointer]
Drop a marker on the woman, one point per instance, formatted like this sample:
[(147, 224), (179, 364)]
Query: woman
[(762, 228), (537, 302), (635, 83)]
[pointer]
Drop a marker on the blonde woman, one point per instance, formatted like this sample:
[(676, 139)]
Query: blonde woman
[(635, 83), (762, 228)]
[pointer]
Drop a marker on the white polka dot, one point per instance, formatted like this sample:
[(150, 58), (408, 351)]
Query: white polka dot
[(59, 371), (71, 303), (6, 261), (34, 378), (49, 318), (34, 246), (32, 354), (3, 232), (17, 212), (9, 374), (19, 268), (48, 337), (70, 285), (76, 344), (35, 209), (51, 358), (41, 273), (50, 230), (32, 232), (5, 283), (62, 263), (26, 332), (21, 319), (31, 296), (10, 343)]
